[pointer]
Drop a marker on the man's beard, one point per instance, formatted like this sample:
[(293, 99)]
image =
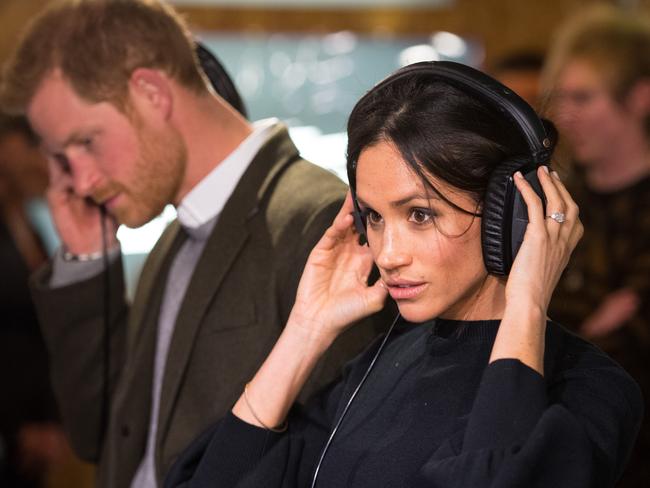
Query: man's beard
[(157, 176)]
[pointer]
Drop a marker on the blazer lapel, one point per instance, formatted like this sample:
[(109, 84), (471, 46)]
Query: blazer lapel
[(222, 248)]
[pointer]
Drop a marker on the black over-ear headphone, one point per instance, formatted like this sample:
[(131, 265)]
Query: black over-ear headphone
[(219, 78), (504, 214)]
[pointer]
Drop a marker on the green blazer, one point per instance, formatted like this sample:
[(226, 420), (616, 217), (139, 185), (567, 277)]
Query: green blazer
[(236, 304)]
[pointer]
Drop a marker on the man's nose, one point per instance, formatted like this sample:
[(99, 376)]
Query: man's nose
[(85, 176)]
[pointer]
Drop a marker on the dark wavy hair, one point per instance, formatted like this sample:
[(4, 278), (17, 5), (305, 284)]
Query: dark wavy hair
[(439, 130)]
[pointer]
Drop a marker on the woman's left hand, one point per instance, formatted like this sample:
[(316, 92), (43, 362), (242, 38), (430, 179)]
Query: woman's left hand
[(548, 242)]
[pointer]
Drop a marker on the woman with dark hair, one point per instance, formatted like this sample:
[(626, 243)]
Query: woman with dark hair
[(474, 385)]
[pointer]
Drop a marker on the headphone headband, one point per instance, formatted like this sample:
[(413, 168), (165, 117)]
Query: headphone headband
[(486, 89)]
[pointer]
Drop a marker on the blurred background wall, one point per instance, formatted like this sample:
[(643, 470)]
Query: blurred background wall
[(502, 25), (308, 61)]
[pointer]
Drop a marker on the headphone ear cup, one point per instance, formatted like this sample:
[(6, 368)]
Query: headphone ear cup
[(359, 220), (496, 222)]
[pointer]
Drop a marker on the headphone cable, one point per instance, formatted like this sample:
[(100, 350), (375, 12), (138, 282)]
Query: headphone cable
[(352, 397), (106, 346)]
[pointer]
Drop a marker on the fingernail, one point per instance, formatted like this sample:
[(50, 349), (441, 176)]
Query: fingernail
[(556, 175), (518, 174), (545, 168)]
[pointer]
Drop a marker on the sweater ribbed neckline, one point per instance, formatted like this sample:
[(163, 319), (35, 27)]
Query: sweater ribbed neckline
[(464, 330)]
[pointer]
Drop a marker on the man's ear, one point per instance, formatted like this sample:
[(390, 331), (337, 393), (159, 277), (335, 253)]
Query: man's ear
[(151, 90), (638, 99)]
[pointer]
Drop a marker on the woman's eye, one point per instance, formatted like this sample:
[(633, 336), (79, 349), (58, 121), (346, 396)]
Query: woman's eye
[(420, 215), (372, 217)]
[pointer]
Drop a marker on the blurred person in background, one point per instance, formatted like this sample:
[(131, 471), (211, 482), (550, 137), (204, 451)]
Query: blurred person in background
[(33, 439), (521, 71), (129, 123), (598, 74)]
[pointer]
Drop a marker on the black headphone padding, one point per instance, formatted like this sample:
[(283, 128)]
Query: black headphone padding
[(497, 215), (219, 78)]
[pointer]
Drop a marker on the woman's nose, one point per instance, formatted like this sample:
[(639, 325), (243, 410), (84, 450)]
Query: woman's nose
[(392, 251)]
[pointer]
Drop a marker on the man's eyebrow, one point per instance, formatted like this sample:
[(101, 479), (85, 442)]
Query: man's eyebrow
[(78, 135), (75, 136), (48, 149)]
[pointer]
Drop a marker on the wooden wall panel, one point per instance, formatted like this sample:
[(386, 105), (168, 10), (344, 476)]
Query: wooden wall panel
[(14, 14), (502, 25)]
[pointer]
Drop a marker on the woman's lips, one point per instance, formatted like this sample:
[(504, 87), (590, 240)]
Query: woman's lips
[(405, 291)]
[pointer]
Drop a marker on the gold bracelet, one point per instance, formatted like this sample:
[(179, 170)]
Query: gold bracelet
[(279, 430)]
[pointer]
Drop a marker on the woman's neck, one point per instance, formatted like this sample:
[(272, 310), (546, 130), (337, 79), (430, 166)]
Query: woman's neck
[(485, 301)]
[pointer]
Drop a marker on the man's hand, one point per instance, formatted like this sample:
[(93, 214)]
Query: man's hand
[(77, 219)]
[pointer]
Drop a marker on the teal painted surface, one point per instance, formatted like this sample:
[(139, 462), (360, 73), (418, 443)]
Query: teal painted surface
[(307, 80)]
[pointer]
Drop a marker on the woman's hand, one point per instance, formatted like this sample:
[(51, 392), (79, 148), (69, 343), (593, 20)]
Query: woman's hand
[(547, 244), (333, 291)]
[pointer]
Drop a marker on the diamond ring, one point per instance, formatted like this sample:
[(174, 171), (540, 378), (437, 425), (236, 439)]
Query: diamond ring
[(559, 217)]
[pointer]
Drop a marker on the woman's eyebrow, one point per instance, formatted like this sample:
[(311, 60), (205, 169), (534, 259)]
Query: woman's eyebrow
[(403, 201), (414, 196)]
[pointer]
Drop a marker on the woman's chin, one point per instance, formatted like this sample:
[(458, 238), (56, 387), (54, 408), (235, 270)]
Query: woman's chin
[(416, 313)]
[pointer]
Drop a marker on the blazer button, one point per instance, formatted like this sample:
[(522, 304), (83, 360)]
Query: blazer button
[(125, 430)]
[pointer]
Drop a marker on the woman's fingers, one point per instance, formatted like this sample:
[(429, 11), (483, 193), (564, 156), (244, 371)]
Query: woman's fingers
[(571, 208), (533, 202), (560, 205), (339, 252), (343, 219), (555, 204), (376, 296), (341, 227), (561, 215)]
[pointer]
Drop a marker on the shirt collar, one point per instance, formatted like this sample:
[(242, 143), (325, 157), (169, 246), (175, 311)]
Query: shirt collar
[(206, 200)]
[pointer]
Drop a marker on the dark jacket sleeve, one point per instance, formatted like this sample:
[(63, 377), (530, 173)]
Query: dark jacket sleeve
[(72, 323), (233, 453), (575, 432)]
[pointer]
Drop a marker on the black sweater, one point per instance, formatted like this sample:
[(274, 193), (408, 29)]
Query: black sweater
[(433, 413)]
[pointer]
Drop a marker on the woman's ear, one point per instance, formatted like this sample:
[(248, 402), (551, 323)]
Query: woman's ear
[(151, 91)]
